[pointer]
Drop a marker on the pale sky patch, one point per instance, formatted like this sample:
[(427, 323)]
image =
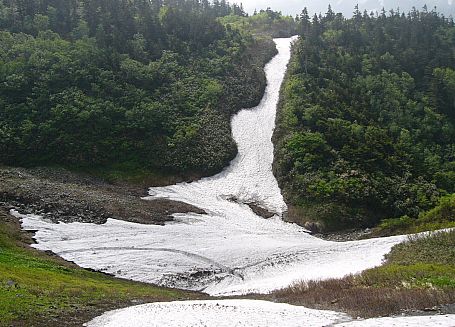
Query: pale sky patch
[(294, 7)]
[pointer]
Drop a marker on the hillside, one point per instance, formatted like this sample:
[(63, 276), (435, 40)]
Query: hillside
[(107, 105), (125, 88), (366, 126)]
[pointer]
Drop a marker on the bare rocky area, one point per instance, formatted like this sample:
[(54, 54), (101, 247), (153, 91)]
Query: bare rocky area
[(257, 208), (345, 236), (61, 195)]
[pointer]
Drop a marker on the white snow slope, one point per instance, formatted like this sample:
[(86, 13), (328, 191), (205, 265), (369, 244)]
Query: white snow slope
[(247, 313), (231, 250)]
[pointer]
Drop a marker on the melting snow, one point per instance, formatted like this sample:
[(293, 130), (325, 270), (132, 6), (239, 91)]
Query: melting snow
[(213, 254), (227, 313), (228, 251)]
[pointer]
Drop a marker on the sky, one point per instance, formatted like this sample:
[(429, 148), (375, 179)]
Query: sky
[(293, 7)]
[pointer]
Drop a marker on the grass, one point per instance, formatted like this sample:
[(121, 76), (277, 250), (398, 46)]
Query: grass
[(442, 216), (433, 248), (416, 275), (37, 289), (363, 301)]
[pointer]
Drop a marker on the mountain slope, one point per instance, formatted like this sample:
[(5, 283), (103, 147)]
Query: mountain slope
[(366, 127), (146, 86)]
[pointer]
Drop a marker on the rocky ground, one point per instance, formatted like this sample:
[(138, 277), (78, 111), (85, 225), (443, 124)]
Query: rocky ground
[(345, 236), (61, 195)]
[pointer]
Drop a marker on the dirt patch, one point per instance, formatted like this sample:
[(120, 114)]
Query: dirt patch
[(345, 236), (61, 195), (260, 211), (255, 207)]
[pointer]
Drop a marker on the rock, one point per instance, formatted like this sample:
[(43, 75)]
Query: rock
[(255, 207), (260, 211), (10, 283), (313, 227)]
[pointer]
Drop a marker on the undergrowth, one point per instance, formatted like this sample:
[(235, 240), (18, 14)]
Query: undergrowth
[(441, 216)]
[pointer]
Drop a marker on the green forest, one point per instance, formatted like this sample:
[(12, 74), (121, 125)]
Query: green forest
[(366, 124), (121, 85)]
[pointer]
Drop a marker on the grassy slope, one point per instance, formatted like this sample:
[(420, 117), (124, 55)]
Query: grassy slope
[(441, 216), (37, 289), (263, 24), (417, 275)]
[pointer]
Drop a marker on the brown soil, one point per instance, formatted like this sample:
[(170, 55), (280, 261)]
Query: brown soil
[(260, 211)]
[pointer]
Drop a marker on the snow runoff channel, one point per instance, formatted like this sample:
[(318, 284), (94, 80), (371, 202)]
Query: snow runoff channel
[(230, 250)]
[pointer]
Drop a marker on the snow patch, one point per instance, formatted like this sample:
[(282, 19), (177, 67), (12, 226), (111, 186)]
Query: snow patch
[(227, 313), (248, 313), (213, 254)]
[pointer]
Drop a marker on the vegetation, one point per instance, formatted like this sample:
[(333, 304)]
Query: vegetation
[(417, 275), (442, 216), (366, 125), (40, 290), (124, 86), (263, 23)]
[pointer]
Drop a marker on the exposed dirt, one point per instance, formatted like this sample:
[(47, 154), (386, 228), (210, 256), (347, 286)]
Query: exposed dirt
[(260, 211), (255, 207), (61, 195)]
